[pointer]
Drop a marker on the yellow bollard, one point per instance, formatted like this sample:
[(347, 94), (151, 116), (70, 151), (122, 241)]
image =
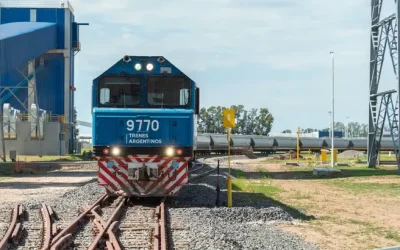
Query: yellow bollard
[(323, 156), (335, 155), (309, 156)]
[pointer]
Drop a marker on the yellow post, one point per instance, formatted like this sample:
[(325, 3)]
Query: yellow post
[(229, 122), (229, 170), (309, 156), (298, 144), (335, 155), (323, 156)]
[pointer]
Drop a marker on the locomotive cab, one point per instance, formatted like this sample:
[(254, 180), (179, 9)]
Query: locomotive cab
[(144, 112)]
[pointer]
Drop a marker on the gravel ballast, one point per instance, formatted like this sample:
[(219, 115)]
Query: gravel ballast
[(239, 227), (199, 224), (217, 228)]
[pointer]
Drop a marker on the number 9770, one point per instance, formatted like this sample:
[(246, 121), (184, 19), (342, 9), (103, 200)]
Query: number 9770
[(142, 125)]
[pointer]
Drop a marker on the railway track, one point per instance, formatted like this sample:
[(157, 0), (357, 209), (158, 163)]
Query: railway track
[(30, 228), (200, 170), (113, 223), (5, 219)]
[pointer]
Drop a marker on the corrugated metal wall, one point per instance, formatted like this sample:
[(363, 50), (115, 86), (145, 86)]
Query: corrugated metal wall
[(50, 84), (49, 80)]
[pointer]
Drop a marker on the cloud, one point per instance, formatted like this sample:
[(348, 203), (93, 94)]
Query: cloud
[(289, 42), (217, 34)]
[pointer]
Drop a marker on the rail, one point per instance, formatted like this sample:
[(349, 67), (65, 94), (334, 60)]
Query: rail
[(13, 229), (107, 225), (47, 223), (65, 235)]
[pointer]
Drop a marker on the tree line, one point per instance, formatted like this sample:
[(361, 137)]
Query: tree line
[(248, 122)]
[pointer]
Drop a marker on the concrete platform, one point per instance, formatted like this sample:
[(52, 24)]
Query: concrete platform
[(292, 163), (43, 167), (389, 248), (326, 171)]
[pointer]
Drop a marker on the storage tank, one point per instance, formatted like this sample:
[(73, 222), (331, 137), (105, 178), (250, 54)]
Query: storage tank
[(315, 144), (241, 141), (387, 145), (203, 143), (359, 144), (264, 143), (219, 143), (287, 143), (339, 143)]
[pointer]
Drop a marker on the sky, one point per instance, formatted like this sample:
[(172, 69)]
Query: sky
[(271, 54)]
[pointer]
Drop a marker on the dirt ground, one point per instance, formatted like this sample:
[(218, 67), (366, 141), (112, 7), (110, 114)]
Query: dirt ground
[(342, 218), (43, 186)]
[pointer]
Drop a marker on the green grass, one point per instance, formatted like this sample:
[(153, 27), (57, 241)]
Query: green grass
[(392, 189), (352, 171), (256, 186), (383, 157), (6, 171), (237, 173), (393, 235), (370, 228), (300, 196), (365, 171)]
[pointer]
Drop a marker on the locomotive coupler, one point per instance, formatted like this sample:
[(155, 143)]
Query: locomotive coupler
[(143, 171)]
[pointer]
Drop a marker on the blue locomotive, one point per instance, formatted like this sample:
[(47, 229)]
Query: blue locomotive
[(144, 112)]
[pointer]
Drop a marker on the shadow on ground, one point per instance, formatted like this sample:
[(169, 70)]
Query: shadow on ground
[(203, 193)]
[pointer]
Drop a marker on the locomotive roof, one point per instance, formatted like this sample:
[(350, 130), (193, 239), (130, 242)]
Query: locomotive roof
[(123, 65)]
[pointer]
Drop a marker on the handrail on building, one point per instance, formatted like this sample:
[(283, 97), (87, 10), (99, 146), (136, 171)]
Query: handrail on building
[(49, 118)]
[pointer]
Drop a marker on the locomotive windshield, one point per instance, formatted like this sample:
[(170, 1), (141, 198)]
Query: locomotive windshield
[(168, 91), (119, 91)]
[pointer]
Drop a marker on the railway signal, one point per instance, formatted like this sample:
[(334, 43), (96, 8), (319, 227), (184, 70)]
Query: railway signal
[(229, 122)]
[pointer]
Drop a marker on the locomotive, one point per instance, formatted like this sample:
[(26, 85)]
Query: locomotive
[(144, 116)]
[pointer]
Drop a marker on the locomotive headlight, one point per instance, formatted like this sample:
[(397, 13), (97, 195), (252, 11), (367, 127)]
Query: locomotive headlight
[(116, 151), (169, 151), (149, 67), (138, 66)]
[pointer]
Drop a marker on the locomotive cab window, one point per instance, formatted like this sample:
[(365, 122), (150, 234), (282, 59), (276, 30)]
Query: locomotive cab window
[(168, 91), (119, 92)]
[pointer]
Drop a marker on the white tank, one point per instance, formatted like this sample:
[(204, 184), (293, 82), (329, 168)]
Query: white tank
[(6, 119)]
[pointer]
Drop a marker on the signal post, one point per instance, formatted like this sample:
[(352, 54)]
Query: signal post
[(229, 122)]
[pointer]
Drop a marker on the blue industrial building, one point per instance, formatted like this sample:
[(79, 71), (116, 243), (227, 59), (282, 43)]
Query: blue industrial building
[(38, 45)]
